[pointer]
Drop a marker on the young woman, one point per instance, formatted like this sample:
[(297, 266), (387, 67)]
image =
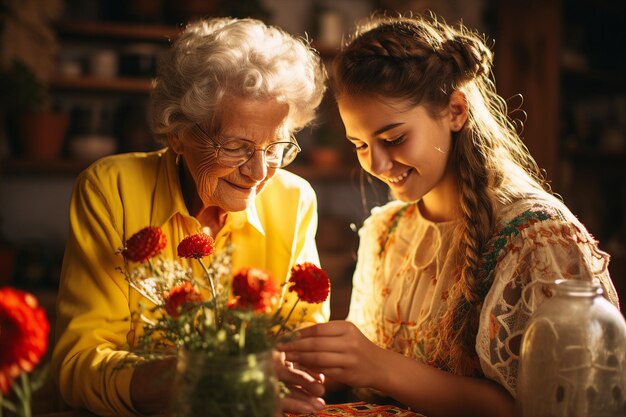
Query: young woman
[(448, 273)]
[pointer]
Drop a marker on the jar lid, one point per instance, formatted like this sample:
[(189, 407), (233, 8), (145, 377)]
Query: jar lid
[(579, 287)]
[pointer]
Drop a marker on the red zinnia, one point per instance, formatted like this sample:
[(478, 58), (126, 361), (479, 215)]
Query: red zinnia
[(196, 246), (310, 282), (145, 244), (179, 297), (24, 332), (254, 288)]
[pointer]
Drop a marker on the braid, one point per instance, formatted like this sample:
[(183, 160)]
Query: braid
[(392, 54), (470, 59), (455, 349)]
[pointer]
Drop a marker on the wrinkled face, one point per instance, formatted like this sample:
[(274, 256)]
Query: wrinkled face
[(233, 189), (404, 147)]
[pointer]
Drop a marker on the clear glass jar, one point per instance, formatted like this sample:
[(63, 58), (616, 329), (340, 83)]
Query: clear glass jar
[(228, 386), (573, 356)]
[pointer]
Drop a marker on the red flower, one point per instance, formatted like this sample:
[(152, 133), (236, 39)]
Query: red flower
[(178, 298), (254, 288), (145, 244), (310, 282), (24, 332), (196, 246)]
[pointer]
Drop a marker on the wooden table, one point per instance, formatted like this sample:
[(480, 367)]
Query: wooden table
[(341, 410)]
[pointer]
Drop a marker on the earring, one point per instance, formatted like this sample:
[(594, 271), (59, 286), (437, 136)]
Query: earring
[(177, 159)]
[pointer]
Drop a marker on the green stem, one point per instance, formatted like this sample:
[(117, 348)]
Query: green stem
[(26, 408), (242, 335), (277, 312), (22, 390), (282, 326), (18, 391), (4, 403), (213, 292)]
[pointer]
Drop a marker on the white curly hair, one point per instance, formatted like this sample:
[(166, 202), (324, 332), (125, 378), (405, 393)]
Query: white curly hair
[(223, 57)]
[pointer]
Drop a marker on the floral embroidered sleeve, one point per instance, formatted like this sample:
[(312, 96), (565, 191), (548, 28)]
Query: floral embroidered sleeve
[(529, 252), (366, 285)]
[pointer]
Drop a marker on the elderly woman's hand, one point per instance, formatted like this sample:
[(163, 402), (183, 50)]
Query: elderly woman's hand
[(305, 389)]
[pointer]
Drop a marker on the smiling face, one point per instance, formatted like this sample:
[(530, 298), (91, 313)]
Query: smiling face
[(406, 147), (228, 188)]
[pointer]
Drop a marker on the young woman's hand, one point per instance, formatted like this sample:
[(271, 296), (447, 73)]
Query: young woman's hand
[(305, 388), (338, 350)]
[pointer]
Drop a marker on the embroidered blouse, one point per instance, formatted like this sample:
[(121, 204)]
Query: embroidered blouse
[(405, 272)]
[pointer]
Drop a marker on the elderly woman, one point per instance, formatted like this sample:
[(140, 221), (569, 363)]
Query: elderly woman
[(229, 95)]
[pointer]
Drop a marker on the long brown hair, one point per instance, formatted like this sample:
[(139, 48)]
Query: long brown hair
[(422, 60)]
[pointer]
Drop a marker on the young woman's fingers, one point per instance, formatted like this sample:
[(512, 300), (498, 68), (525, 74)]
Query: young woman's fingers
[(314, 344), (318, 361), (332, 328)]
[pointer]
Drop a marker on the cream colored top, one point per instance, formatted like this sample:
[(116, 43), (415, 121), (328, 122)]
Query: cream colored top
[(405, 272)]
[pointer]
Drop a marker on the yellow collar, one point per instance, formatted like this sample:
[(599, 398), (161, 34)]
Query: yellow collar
[(168, 198)]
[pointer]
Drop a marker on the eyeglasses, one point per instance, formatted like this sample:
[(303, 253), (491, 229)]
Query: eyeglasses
[(236, 151)]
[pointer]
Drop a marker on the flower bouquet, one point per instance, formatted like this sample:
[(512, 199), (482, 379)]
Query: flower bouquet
[(222, 329), (24, 332)]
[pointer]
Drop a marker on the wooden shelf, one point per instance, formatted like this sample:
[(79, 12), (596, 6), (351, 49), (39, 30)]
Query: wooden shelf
[(23, 167), (592, 81), (141, 32), (119, 84), (594, 155), (312, 172), (121, 31)]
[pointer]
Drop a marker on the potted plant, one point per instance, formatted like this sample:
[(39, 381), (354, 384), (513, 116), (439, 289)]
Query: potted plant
[(326, 150), (223, 327), (28, 49)]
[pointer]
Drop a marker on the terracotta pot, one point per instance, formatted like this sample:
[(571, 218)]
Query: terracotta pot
[(325, 157), (42, 134)]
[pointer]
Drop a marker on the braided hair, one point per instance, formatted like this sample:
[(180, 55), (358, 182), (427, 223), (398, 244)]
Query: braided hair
[(422, 61)]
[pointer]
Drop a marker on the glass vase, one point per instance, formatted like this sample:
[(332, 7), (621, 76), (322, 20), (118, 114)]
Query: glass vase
[(573, 356), (228, 386)]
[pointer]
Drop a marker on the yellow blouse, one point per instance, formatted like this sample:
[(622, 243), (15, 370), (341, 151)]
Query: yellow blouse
[(116, 197)]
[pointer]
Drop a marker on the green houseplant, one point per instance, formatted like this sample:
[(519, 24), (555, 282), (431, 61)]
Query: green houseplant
[(326, 150), (28, 49)]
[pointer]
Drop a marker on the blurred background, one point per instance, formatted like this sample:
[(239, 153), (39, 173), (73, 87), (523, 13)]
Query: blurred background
[(76, 76)]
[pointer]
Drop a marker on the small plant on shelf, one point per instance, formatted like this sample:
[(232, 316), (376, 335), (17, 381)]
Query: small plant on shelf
[(326, 150), (28, 50)]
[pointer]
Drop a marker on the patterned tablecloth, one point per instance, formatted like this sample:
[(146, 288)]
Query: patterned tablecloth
[(360, 409), (345, 410)]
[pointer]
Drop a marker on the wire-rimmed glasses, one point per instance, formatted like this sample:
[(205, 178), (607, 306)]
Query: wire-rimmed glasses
[(235, 152)]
